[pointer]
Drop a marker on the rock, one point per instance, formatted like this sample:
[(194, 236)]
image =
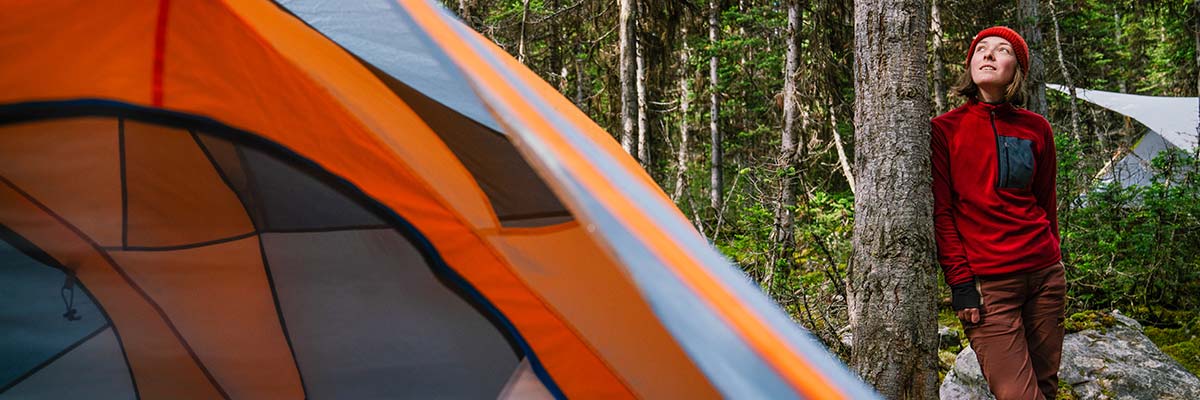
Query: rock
[(1116, 363), (947, 337)]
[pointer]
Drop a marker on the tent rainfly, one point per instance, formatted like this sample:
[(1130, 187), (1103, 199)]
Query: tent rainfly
[(1171, 122), (344, 199)]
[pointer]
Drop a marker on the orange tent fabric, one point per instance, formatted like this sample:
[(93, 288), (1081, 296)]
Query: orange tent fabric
[(367, 199)]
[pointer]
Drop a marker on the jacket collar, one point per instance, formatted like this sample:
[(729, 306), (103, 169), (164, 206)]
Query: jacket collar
[(986, 109)]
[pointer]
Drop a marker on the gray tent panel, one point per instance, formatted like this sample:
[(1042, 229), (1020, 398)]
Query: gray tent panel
[(379, 32), (1134, 168), (281, 198), (33, 330), (368, 319), (518, 196), (94, 370)]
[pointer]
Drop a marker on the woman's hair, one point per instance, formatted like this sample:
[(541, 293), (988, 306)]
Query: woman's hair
[(1014, 93)]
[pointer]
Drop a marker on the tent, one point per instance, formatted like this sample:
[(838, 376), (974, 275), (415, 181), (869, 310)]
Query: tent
[(1171, 123), (344, 199)]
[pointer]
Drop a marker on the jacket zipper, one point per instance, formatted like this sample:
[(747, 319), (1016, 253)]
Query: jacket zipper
[(996, 134)]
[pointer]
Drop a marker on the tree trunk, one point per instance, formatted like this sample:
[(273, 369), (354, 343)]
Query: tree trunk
[(521, 39), (1196, 5), (627, 57), (716, 183), (643, 124), (1119, 27), (464, 12), (939, 70), (685, 135), (841, 150), (579, 76), (781, 233), (1062, 66), (892, 276), (1031, 30)]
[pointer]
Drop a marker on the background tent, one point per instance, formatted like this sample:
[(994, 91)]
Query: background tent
[(359, 199), (1170, 121)]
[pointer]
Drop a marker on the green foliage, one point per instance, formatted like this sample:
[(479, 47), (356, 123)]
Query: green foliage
[(1187, 353), (1130, 246)]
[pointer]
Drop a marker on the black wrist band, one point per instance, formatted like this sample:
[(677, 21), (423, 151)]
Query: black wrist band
[(964, 295)]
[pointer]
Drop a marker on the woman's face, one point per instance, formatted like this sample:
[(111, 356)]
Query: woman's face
[(994, 63)]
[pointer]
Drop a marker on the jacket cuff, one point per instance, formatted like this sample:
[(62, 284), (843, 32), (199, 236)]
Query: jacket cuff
[(964, 295)]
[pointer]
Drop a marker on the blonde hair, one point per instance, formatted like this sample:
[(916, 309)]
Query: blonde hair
[(1014, 93)]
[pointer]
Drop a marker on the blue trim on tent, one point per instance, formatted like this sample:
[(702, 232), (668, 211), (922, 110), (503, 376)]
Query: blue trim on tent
[(93, 107)]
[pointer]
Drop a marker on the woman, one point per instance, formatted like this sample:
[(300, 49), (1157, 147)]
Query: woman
[(996, 222)]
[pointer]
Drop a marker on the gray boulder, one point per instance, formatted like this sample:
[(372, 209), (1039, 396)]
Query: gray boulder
[(1118, 363)]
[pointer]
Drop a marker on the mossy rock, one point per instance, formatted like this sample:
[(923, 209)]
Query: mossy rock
[(1065, 391), (1097, 320)]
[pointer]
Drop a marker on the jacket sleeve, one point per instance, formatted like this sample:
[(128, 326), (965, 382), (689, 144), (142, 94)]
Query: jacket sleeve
[(951, 254), (1044, 179)]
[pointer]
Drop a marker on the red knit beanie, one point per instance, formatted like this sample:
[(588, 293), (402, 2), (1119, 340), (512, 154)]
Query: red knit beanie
[(1018, 44)]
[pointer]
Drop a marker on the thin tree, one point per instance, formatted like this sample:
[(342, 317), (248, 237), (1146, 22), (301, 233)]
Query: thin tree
[(716, 183), (521, 40), (1031, 31), (628, 54), (939, 70), (892, 276), (782, 236), (685, 134), (643, 124), (1066, 75)]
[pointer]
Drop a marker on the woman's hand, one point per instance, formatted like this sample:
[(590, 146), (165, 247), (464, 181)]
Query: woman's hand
[(970, 315)]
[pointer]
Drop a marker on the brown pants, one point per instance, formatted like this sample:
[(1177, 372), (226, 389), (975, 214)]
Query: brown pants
[(1019, 338)]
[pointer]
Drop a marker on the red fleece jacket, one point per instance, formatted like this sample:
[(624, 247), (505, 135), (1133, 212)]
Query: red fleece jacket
[(994, 202)]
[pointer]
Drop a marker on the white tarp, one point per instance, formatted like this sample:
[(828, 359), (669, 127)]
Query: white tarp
[(1173, 118)]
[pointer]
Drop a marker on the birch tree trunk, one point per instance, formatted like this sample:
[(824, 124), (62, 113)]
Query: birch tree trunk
[(1027, 11), (627, 70), (939, 70), (841, 150), (781, 232), (685, 135), (521, 39), (892, 276), (1119, 27), (643, 125), (579, 77), (1066, 75), (716, 183)]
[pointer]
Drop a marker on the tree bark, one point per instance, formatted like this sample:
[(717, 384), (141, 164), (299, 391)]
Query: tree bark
[(892, 276), (643, 124), (716, 183), (1031, 30), (1062, 66), (782, 236), (685, 135), (939, 70), (627, 68)]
